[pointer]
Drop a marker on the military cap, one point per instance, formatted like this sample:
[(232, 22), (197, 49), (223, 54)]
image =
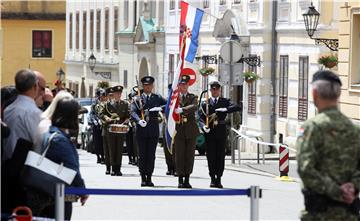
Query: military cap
[(109, 90), (184, 79), (117, 88), (215, 84), (100, 92), (327, 76), (147, 80)]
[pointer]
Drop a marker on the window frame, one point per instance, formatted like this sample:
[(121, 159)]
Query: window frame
[(92, 14), (303, 88), (252, 92), (172, 5), (84, 29), (77, 30), (171, 68), (70, 30), (107, 28), (116, 27), (42, 31), (283, 85), (98, 29), (206, 4)]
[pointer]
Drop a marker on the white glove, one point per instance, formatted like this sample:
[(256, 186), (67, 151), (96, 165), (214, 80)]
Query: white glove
[(222, 109), (156, 109), (206, 129), (142, 123), (179, 110)]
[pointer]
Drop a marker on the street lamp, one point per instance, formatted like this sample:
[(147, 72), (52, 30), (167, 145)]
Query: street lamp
[(60, 75), (311, 20), (92, 62)]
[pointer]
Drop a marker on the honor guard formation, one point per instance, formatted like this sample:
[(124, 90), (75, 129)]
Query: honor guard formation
[(136, 121)]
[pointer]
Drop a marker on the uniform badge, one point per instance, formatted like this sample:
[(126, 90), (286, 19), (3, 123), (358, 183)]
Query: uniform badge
[(300, 132)]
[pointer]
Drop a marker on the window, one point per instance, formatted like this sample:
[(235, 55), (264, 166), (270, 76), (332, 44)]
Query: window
[(171, 68), (206, 3), (303, 87), (222, 2), (70, 30), (41, 44), (125, 78), (98, 14), (172, 4), (237, 2), (84, 30), (204, 80), (126, 14), (77, 30), (106, 28), (116, 25), (76, 89), (355, 50), (252, 93), (283, 85), (91, 29)]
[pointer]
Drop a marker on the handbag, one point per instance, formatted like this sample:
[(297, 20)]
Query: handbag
[(43, 174)]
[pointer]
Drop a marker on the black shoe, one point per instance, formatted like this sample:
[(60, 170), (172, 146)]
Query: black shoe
[(119, 173), (113, 173), (107, 172), (143, 180), (168, 172), (175, 173), (148, 181), (98, 160), (181, 182), (187, 183), (213, 182), (218, 183)]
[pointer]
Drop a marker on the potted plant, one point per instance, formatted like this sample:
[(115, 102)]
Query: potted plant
[(206, 71), (250, 76), (328, 61)]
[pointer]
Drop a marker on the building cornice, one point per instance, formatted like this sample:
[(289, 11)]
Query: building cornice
[(33, 16)]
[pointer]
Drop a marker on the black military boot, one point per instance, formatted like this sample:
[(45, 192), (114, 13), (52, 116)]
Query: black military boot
[(181, 182), (143, 180), (113, 171), (98, 159), (218, 183), (187, 183), (148, 181), (168, 172), (213, 182), (118, 170), (107, 172)]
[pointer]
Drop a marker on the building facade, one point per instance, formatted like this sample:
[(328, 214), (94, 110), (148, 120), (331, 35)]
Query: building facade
[(124, 36), (32, 36)]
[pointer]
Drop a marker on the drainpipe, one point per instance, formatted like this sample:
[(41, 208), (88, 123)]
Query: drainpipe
[(273, 70)]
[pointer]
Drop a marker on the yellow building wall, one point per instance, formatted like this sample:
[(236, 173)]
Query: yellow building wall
[(17, 49), (350, 98)]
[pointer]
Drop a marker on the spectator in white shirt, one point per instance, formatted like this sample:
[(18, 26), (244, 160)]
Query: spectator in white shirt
[(22, 116)]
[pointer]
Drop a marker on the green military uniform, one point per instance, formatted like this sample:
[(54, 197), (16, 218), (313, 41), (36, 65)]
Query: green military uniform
[(105, 131), (116, 112), (185, 138), (328, 156)]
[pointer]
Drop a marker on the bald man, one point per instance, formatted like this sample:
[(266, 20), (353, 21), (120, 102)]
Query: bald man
[(41, 82)]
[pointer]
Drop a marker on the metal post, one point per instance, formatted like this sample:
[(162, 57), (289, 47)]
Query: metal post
[(258, 153), (59, 202), (254, 202), (231, 95)]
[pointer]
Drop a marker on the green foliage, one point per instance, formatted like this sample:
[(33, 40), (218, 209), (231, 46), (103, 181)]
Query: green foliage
[(206, 71), (328, 61), (103, 84), (250, 76)]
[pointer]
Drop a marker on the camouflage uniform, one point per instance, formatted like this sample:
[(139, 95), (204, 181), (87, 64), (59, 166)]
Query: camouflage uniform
[(328, 156)]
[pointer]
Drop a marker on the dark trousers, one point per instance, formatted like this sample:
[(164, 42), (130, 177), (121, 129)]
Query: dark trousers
[(116, 147), (50, 211), (98, 142), (215, 154), (147, 148), (184, 155), (106, 147), (169, 157), (130, 145)]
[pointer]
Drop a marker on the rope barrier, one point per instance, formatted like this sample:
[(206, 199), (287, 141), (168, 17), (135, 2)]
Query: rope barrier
[(132, 192), (277, 145)]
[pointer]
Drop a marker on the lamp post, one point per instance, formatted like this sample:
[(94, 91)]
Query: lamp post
[(92, 62), (60, 75), (311, 20)]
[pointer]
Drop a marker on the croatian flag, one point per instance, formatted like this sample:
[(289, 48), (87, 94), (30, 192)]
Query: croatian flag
[(190, 21)]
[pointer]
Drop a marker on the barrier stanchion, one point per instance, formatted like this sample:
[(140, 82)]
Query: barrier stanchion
[(59, 202), (255, 194), (284, 163)]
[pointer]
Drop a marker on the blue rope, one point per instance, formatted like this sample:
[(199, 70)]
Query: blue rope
[(130, 192)]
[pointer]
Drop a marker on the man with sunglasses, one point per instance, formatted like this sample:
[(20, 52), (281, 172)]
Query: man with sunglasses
[(215, 131)]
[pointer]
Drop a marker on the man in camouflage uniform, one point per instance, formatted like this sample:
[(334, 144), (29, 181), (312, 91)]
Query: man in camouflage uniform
[(329, 156)]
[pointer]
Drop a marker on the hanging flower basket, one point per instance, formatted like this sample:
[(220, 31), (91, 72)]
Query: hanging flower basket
[(206, 71), (328, 61), (250, 77)]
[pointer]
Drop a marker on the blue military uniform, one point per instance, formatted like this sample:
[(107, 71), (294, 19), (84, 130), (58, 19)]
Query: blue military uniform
[(215, 139), (147, 137)]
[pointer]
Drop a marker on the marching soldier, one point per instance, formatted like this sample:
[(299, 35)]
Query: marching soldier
[(96, 124), (105, 129), (130, 144), (144, 111), (215, 131), (328, 156), (186, 133), (116, 116)]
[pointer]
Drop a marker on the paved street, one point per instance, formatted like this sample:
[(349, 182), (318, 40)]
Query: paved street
[(281, 200)]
